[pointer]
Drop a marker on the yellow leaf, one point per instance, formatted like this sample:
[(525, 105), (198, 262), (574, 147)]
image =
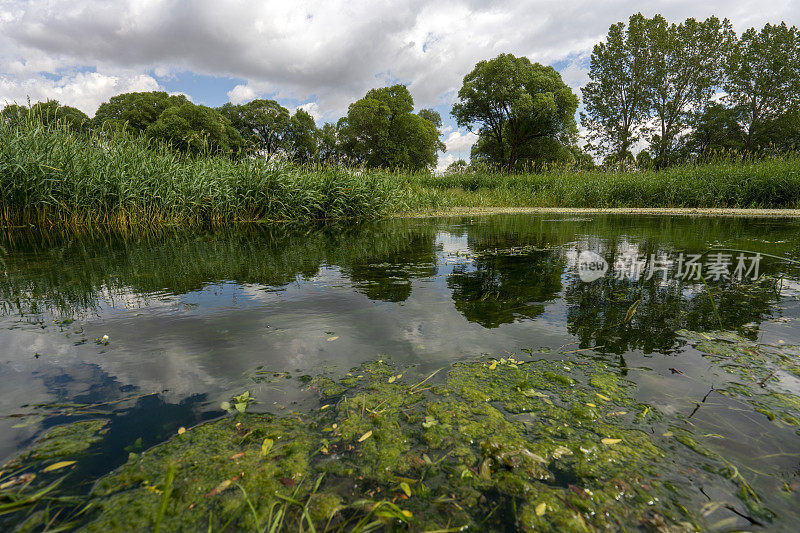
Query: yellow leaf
[(266, 446), (493, 365), (541, 508), (219, 488), (324, 407), (333, 338), (59, 465), (603, 397), (365, 436), (591, 405), (392, 379), (404, 486), (407, 513), (181, 430), (611, 441), (667, 434)]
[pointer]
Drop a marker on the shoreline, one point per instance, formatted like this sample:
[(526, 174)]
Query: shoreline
[(674, 211)]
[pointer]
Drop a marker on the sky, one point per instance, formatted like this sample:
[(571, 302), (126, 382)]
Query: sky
[(318, 55)]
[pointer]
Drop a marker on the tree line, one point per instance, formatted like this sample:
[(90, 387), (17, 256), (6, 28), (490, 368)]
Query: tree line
[(379, 130), (686, 91)]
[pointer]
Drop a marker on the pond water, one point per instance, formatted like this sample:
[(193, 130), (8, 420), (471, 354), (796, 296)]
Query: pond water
[(194, 317)]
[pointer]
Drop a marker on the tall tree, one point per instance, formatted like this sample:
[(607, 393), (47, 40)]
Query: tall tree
[(615, 98), (136, 111), (51, 112), (301, 137), (513, 103), (195, 129), (263, 124), (763, 76), (380, 130), (684, 68)]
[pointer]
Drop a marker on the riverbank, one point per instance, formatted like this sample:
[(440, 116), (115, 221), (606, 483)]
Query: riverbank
[(55, 177), (669, 211)]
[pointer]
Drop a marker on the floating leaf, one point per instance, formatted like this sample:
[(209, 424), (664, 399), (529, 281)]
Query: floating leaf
[(59, 465), (330, 339), (365, 436), (181, 430), (225, 405), (603, 397), (540, 509), (219, 488), (493, 365), (632, 311), (324, 407), (392, 379), (591, 404), (405, 488), (611, 441), (266, 446)]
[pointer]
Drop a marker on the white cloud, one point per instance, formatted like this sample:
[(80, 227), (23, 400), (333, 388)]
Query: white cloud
[(329, 52)]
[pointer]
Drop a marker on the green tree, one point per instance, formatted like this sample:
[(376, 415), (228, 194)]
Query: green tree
[(380, 130), (51, 112), (515, 103), (263, 124), (136, 111), (13, 113), (328, 144), (301, 137), (194, 129), (763, 77), (683, 69), (716, 130), (615, 98)]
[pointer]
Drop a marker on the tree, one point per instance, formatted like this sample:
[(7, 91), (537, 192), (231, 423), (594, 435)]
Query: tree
[(13, 114), (763, 77), (328, 144), (459, 166), (301, 137), (194, 129), (716, 129), (515, 103), (51, 112), (263, 124), (136, 111), (683, 69), (380, 130), (615, 98)]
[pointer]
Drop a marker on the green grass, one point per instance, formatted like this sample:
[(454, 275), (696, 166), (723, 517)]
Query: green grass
[(52, 176), (771, 183)]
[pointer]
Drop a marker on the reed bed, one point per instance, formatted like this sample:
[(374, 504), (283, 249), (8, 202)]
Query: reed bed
[(53, 176), (756, 183)]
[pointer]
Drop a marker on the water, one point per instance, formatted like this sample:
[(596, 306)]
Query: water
[(191, 317)]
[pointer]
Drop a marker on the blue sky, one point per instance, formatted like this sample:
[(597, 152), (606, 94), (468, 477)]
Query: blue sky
[(319, 55)]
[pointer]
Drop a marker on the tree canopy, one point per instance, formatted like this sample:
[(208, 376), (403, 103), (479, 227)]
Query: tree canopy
[(522, 110), (136, 111), (381, 130)]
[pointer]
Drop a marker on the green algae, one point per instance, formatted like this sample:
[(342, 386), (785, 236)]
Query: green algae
[(540, 445), (67, 440)]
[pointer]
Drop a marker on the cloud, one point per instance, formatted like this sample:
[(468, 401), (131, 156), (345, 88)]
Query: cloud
[(329, 53)]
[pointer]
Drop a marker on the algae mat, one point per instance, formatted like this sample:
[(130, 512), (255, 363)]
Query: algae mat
[(503, 444)]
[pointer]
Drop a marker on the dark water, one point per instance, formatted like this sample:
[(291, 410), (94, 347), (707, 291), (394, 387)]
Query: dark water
[(191, 316)]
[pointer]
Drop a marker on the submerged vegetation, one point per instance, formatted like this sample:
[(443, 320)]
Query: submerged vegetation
[(525, 444)]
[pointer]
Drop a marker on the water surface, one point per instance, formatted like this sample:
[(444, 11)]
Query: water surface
[(194, 317)]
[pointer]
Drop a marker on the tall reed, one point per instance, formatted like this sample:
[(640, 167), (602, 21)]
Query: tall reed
[(51, 175)]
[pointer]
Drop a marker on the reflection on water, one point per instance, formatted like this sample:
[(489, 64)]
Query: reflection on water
[(190, 314)]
